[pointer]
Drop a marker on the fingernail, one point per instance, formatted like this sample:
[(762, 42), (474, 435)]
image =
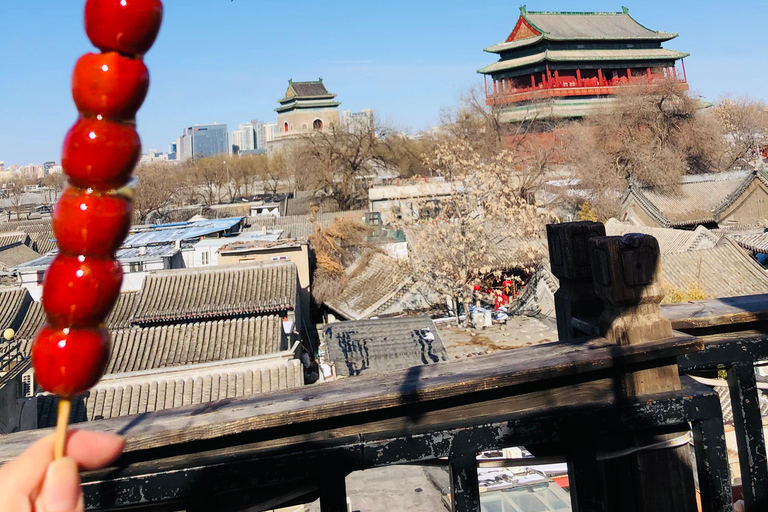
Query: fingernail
[(61, 489)]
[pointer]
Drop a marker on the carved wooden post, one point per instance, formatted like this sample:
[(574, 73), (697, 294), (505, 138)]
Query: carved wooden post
[(569, 259), (627, 277)]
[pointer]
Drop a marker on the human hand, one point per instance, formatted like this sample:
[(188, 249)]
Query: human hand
[(34, 482)]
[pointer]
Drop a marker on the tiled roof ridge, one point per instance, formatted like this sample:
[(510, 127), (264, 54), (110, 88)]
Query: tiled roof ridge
[(213, 269), (733, 196), (636, 191)]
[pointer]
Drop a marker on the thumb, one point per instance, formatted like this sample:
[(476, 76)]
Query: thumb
[(61, 488)]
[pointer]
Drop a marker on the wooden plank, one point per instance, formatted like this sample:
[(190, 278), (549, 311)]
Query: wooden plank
[(747, 420), (537, 366), (247, 468), (717, 312)]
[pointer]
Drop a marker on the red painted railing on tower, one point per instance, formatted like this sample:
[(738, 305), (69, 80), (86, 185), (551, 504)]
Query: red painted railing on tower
[(501, 92)]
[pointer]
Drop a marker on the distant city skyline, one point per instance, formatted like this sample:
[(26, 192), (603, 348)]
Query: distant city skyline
[(406, 68)]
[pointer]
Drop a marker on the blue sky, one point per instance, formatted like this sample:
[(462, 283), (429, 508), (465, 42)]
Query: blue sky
[(223, 61)]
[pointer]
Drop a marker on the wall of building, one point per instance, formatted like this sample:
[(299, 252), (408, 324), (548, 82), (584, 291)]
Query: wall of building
[(16, 411), (632, 212), (299, 255), (300, 120), (751, 207)]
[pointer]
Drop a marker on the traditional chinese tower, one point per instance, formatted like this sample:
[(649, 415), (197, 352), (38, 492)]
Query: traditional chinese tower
[(307, 106), (563, 64)]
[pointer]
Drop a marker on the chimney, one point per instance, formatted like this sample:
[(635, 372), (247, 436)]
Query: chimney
[(143, 250)]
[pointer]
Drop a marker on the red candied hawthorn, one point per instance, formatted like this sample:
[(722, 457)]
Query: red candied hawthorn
[(79, 291), (100, 154), (91, 223), (110, 85), (70, 361), (126, 26)]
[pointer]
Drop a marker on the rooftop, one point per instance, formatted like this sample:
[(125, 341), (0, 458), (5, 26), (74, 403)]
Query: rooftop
[(178, 231), (217, 292), (377, 285), (700, 199), (192, 385), (670, 240), (532, 26), (150, 348), (377, 346), (723, 271)]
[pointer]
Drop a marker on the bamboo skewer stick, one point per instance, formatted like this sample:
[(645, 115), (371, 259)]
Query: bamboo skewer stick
[(65, 406)]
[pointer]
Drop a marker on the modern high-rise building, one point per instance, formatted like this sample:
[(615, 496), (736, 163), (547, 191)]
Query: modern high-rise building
[(173, 151), (203, 140), (357, 122), (244, 137), (269, 132), (258, 134)]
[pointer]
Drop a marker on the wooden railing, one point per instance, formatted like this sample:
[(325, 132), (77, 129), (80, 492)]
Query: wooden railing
[(563, 89), (604, 402)]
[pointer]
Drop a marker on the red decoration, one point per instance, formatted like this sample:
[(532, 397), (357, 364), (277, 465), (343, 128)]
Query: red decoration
[(91, 223), (100, 154), (91, 219), (70, 361), (80, 291), (126, 26), (110, 85)]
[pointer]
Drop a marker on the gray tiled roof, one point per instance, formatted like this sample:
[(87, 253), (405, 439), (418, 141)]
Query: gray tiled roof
[(191, 385), (670, 240), (14, 302), (591, 25), (757, 242), (309, 89), (699, 199), (217, 292), (120, 318), (726, 270), (377, 346), (123, 313), (148, 348), (14, 237), (40, 233), (33, 320), (15, 254), (377, 285)]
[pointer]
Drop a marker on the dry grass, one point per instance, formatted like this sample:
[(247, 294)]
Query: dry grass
[(673, 294)]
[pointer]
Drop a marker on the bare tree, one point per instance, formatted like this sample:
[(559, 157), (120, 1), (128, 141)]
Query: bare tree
[(206, 179), (340, 162), (459, 245), (156, 187), (653, 134), (744, 123)]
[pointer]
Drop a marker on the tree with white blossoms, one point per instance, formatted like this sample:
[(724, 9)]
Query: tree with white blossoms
[(483, 228)]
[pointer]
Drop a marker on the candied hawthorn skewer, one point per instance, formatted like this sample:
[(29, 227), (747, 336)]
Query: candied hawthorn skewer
[(92, 216)]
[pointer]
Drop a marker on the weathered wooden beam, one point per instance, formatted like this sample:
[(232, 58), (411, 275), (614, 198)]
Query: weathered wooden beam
[(750, 441), (712, 465), (333, 491), (569, 260), (717, 312), (465, 489), (342, 401), (626, 274), (250, 472)]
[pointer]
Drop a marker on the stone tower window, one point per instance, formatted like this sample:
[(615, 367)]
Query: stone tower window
[(317, 125), (286, 127)]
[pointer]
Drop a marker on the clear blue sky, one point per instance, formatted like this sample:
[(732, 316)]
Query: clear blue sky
[(223, 61)]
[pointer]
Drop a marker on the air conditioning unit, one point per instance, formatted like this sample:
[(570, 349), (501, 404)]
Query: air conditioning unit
[(28, 384)]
